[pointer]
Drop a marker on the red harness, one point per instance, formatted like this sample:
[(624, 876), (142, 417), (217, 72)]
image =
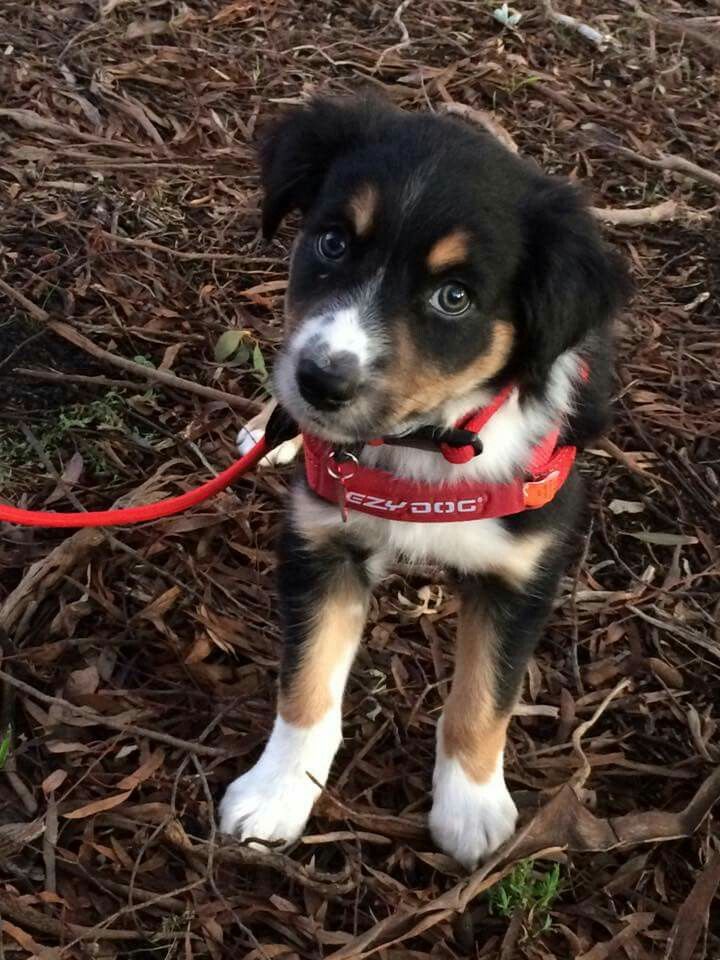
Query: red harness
[(345, 481)]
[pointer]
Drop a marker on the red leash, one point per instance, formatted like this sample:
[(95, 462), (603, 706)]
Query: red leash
[(368, 490), (151, 511)]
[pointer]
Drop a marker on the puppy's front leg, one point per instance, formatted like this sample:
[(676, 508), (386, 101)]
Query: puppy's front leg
[(323, 592), (473, 812)]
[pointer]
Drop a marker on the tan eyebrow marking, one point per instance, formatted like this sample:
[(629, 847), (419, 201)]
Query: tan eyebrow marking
[(450, 249), (363, 207)]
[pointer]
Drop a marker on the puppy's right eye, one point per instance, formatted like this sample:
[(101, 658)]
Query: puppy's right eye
[(451, 299), (332, 245)]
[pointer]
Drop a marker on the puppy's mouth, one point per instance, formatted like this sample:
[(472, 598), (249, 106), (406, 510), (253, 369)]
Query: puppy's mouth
[(357, 419)]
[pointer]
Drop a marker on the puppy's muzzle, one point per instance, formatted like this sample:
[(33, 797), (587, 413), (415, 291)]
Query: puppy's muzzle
[(328, 381)]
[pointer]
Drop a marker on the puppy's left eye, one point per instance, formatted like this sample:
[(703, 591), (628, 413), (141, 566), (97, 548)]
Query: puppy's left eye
[(452, 299)]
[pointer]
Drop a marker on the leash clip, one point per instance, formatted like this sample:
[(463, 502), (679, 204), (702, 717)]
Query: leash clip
[(342, 467)]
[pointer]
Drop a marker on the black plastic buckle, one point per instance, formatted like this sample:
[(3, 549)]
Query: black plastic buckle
[(430, 438)]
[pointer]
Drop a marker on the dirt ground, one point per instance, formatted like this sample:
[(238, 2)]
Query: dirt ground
[(139, 664)]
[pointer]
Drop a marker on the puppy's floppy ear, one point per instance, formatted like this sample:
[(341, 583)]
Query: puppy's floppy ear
[(298, 150), (570, 282)]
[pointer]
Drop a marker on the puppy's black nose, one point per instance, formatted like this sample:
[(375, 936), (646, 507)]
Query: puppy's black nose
[(327, 382)]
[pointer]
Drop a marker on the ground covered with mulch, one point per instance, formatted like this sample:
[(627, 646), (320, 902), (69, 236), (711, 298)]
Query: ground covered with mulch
[(139, 665)]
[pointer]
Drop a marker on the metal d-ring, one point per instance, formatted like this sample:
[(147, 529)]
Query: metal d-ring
[(332, 470)]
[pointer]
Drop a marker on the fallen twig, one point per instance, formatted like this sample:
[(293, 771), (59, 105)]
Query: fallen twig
[(405, 36), (682, 28), (100, 929), (596, 37), (112, 722), (233, 852), (153, 247), (639, 216), (483, 118), (32, 308), (64, 330), (29, 120), (580, 776), (627, 217), (54, 376), (685, 633), (627, 461), (35, 919), (669, 161)]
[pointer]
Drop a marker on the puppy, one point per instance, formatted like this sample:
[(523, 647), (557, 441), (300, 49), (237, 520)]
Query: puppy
[(434, 274)]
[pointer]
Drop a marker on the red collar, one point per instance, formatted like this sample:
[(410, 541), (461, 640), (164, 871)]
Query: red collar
[(381, 494)]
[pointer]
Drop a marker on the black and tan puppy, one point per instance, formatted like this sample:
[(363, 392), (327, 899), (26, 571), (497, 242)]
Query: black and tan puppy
[(433, 272)]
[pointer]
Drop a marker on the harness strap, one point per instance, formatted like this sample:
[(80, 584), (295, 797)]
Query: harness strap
[(474, 423)]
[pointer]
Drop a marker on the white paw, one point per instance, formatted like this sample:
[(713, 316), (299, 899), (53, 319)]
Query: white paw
[(469, 820), (266, 806), (273, 800), (279, 456)]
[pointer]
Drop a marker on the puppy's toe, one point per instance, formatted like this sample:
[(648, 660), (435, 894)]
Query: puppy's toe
[(469, 820), (267, 807)]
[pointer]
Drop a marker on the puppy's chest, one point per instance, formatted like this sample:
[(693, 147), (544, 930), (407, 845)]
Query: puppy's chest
[(469, 546), (473, 545)]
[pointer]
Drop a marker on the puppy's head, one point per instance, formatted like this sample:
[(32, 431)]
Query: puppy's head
[(431, 265)]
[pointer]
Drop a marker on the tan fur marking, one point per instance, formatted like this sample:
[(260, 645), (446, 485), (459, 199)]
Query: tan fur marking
[(472, 730), (362, 208), (337, 626), (521, 560), (449, 250), (418, 384)]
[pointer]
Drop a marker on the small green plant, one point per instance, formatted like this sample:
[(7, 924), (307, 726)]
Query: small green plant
[(13, 451), (5, 745), (105, 413), (144, 361), (516, 85), (530, 892), (238, 347)]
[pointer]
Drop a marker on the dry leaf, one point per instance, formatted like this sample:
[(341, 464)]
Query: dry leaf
[(144, 771), (625, 506), (665, 539), (81, 683), (628, 935), (53, 781), (97, 806), (693, 915)]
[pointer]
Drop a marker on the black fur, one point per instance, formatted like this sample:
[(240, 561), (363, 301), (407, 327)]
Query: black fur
[(519, 615), (569, 284), (299, 149)]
